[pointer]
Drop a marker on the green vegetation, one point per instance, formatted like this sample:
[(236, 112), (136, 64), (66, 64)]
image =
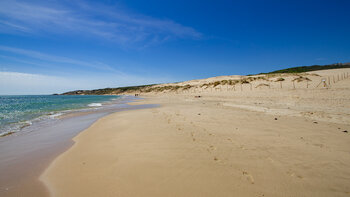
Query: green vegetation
[(104, 91), (301, 69)]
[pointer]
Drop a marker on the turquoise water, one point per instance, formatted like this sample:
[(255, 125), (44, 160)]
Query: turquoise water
[(17, 112)]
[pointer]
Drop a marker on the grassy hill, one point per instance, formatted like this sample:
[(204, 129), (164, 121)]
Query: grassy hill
[(105, 91), (301, 69)]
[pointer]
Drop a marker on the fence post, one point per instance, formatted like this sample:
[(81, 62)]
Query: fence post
[(281, 84), (293, 84)]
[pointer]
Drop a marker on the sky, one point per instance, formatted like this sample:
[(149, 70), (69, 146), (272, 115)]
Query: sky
[(56, 46)]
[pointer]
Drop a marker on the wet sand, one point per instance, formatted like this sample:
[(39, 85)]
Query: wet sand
[(23, 157)]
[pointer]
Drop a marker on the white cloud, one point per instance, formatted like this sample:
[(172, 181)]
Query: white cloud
[(86, 19), (58, 59), (14, 83), (24, 83)]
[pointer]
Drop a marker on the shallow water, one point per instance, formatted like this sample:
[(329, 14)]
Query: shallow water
[(24, 156), (17, 112)]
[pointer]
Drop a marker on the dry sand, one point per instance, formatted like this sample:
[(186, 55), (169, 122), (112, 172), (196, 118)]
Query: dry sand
[(266, 142)]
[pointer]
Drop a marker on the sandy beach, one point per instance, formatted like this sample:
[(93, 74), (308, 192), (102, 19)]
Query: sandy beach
[(174, 98), (288, 142)]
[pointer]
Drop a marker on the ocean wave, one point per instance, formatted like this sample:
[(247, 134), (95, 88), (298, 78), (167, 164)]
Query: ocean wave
[(6, 133), (29, 112), (52, 116), (25, 124), (95, 105)]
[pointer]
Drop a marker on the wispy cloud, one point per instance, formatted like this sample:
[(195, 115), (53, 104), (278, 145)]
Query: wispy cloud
[(25, 83), (93, 20), (58, 59), (28, 83)]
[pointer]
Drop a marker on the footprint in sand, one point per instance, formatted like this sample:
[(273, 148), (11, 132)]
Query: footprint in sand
[(192, 135), (249, 177), (292, 174), (319, 145), (270, 159), (211, 148)]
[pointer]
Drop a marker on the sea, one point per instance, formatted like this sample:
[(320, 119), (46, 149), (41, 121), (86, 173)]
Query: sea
[(19, 112)]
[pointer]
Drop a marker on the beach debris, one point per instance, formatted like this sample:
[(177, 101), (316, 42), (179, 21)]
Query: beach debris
[(315, 122), (199, 114), (216, 159), (345, 131), (275, 118), (197, 96)]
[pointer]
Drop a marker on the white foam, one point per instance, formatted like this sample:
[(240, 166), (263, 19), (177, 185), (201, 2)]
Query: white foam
[(28, 123), (95, 105), (55, 115)]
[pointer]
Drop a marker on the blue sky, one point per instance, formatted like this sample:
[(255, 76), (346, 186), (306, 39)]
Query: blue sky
[(56, 46)]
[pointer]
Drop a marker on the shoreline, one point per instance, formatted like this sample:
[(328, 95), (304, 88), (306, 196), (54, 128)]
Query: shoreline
[(44, 117), (200, 147), (24, 157)]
